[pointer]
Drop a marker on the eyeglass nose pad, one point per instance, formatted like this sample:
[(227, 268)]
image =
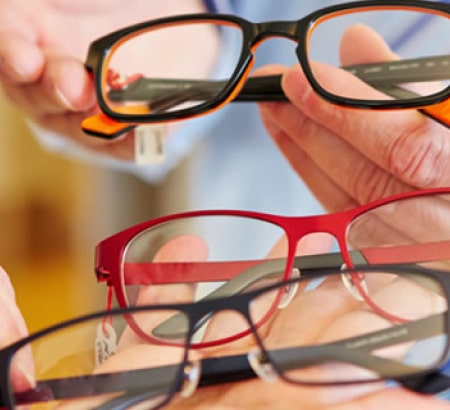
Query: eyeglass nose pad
[(290, 290), (262, 368), (191, 377), (349, 280)]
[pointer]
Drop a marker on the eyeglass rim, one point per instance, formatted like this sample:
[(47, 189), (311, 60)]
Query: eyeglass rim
[(100, 49)]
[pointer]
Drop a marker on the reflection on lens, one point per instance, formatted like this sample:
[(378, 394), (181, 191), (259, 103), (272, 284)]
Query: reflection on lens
[(144, 75), (343, 339), (62, 369), (189, 259), (375, 65)]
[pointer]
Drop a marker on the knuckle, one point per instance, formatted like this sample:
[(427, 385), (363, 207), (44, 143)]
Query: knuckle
[(371, 182), (419, 157)]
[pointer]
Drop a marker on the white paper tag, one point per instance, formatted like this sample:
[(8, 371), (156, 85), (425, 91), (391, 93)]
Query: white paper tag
[(149, 144), (105, 343)]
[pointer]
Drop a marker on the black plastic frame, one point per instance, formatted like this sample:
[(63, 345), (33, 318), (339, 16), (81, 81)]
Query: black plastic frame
[(218, 370), (253, 33)]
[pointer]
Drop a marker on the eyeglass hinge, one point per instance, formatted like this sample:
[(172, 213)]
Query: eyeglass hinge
[(103, 274)]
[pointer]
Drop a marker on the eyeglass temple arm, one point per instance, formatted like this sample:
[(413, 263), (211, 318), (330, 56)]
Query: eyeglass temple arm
[(356, 350), (155, 380), (243, 273), (271, 268), (307, 266), (430, 68), (438, 112), (260, 270), (384, 77), (151, 382), (268, 88)]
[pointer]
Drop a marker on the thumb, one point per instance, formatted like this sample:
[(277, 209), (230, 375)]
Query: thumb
[(14, 328), (360, 44)]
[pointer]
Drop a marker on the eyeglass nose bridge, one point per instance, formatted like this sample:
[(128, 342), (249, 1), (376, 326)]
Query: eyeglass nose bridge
[(286, 29), (289, 291)]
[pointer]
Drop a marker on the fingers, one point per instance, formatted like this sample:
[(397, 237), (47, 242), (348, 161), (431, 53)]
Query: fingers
[(21, 60), (63, 86), (46, 86), (390, 399), (339, 167), (360, 44), (356, 154), (403, 143), (313, 176), (13, 324), (318, 181), (13, 328)]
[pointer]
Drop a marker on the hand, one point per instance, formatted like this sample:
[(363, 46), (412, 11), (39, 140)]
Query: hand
[(257, 394), (13, 328), (352, 156), (43, 44)]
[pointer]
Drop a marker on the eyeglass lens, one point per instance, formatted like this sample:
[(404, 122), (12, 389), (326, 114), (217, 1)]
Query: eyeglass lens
[(326, 334), (368, 45), (162, 86), (413, 229), (183, 260), (62, 366)]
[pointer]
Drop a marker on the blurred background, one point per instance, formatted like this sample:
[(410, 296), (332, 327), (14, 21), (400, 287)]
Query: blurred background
[(53, 210)]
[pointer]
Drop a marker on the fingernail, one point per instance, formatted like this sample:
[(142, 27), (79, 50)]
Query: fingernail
[(63, 100), (21, 376)]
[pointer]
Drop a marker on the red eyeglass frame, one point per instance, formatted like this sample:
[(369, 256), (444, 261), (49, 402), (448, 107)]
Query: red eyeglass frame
[(109, 253)]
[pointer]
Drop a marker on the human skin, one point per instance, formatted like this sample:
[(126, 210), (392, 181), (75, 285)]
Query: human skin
[(13, 327), (352, 156), (43, 44)]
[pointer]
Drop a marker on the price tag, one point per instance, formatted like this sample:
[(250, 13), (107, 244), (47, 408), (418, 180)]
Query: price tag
[(105, 343), (149, 144)]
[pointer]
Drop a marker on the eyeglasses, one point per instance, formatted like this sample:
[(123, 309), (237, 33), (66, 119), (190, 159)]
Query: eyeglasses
[(220, 253), (355, 345), (138, 81)]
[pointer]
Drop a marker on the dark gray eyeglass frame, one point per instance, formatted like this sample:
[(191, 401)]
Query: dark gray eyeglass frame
[(137, 383)]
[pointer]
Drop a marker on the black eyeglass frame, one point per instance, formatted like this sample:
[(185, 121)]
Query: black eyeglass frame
[(263, 88), (219, 370)]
